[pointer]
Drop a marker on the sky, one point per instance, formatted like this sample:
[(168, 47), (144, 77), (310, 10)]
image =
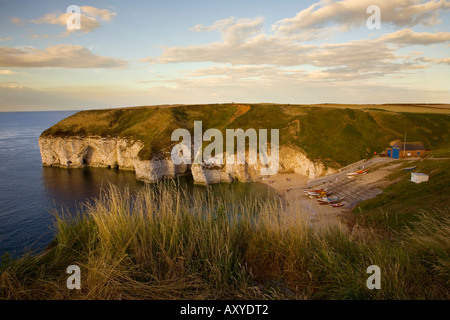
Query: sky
[(132, 53)]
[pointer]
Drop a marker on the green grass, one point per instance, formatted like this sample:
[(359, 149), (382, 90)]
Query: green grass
[(336, 137), (442, 152), (163, 244), (398, 205)]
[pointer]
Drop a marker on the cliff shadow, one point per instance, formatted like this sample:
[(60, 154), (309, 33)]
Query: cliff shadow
[(88, 154)]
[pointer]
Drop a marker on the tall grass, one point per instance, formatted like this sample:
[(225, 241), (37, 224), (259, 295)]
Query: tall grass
[(164, 243)]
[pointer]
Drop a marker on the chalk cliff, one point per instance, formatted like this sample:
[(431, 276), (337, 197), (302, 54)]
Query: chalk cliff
[(123, 154), (310, 137)]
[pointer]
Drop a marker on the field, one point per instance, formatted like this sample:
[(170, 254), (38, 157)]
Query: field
[(395, 107)]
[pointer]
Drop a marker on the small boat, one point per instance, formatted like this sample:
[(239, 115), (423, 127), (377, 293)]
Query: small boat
[(315, 193), (317, 196), (357, 173), (330, 200), (336, 205), (323, 194), (409, 169), (335, 200)]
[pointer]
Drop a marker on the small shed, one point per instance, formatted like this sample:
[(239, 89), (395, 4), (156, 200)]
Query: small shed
[(418, 177), (393, 152)]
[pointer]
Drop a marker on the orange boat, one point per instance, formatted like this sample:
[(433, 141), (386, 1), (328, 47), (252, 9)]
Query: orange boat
[(357, 173)]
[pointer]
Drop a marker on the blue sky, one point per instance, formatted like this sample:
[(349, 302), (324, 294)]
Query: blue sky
[(168, 52)]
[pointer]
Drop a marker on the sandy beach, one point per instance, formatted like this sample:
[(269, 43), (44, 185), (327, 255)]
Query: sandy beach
[(291, 186)]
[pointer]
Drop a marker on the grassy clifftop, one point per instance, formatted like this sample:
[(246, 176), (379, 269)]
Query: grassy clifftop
[(335, 134)]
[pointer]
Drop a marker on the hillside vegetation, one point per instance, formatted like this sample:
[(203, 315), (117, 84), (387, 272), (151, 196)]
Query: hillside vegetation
[(396, 208), (335, 135)]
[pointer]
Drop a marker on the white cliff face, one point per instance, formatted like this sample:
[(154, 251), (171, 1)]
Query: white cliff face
[(292, 160), (209, 175), (155, 170), (77, 152)]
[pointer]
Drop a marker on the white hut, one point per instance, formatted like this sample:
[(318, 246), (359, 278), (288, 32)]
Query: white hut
[(419, 177)]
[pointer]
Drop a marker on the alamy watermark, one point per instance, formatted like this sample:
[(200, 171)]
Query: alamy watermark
[(185, 153), (74, 280), (374, 21), (73, 21), (374, 281)]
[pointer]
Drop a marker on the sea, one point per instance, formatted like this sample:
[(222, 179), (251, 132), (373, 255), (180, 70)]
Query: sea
[(31, 195)]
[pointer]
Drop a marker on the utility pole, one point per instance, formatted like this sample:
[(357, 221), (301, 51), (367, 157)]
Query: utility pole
[(404, 146)]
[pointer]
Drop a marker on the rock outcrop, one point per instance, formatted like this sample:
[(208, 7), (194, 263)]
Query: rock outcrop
[(78, 152)]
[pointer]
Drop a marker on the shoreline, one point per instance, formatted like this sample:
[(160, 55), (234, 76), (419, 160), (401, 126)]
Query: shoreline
[(290, 187)]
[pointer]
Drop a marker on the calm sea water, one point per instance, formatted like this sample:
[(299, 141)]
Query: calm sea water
[(29, 193)]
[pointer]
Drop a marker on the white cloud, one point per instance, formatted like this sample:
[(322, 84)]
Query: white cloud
[(7, 72), (251, 73), (444, 61), (357, 54), (261, 49), (87, 24), (409, 37), (89, 20), (11, 85), (17, 21), (243, 43), (234, 31), (352, 13), (370, 56), (63, 55), (102, 14)]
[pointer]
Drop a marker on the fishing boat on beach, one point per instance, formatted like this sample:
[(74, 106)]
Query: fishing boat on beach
[(335, 200), (336, 205), (322, 201), (307, 192), (330, 200), (356, 174), (316, 193)]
